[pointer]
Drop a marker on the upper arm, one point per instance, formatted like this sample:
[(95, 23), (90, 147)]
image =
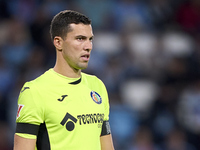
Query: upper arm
[(21, 143), (106, 142), (29, 117)]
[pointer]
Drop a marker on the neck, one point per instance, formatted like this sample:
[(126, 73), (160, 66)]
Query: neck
[(63, 68), (66, 72)]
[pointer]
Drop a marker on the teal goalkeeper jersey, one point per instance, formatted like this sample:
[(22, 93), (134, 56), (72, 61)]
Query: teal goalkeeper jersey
[(63, 113)]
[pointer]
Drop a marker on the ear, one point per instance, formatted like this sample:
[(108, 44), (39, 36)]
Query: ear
[(58, 42)]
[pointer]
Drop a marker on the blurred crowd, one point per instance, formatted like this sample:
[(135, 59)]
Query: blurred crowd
[(147, 52)]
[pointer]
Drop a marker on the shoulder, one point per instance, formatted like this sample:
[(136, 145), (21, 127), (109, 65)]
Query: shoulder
[(93, 82), (91, 79), (42, 79), (35, 84)]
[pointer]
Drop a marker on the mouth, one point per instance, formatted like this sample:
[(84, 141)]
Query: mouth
[(85, 57)]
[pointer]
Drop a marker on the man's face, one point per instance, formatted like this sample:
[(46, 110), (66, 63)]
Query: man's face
[(77, 46)]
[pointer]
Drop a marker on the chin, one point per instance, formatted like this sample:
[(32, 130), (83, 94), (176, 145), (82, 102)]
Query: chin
[(83, 66)]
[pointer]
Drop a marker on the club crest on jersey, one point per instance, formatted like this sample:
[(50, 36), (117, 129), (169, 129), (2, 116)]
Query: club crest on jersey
[(96, 97)]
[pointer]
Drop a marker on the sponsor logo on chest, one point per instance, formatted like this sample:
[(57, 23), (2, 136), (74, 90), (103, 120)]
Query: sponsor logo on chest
[(69, 121)]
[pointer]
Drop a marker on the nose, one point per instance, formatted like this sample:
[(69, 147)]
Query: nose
[(88, 45)]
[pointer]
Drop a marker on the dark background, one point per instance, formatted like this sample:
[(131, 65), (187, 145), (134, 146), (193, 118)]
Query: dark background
[(147, 52)]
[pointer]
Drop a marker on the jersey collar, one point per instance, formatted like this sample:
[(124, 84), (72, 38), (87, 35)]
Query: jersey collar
[(76, 82)]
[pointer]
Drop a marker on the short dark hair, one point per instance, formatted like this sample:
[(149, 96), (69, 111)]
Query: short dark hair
[(60, 24)]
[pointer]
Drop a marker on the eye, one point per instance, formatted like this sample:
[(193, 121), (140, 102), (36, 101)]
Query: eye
[(91, 39), (80, 38)]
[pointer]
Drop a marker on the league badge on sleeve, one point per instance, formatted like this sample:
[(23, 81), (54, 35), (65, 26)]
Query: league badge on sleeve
[(96, 97), (19, 109)]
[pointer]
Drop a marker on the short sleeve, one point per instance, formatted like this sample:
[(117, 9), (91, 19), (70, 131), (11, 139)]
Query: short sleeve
[(105, 99), (29, 108), (106, 104)]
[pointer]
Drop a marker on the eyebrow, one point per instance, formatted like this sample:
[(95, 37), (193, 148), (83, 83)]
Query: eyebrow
[(84, 37)]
